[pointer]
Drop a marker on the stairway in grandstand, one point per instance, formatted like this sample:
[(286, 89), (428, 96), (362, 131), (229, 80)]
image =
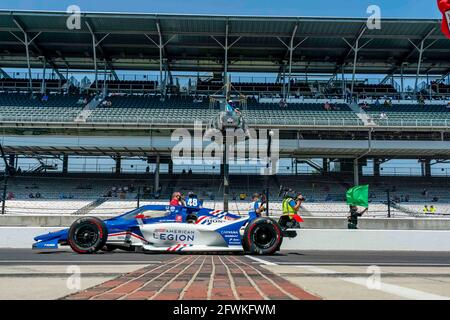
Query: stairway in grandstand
[(403, 209), (365, 118), (88, 109), (90, 206)]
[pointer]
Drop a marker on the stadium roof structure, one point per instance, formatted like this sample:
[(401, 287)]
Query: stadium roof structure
[(125, 41)]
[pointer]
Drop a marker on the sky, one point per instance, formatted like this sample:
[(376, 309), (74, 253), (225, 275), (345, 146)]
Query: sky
[(334, 8)]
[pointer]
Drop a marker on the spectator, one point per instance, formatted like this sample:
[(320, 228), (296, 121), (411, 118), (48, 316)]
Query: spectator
[(432, 210), (421, 100), (44, 98), (377, 103), (383, 116), (242, 196), (425, 209), (327, 106), (31, 195)]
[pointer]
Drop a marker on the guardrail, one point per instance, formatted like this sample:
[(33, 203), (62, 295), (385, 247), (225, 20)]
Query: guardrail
[(282, 121)]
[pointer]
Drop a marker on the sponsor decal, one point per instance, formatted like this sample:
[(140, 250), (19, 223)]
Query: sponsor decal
[(179, 218), (174, 235)]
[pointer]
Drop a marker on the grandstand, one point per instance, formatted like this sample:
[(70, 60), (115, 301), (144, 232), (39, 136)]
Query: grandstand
[(386, 101)]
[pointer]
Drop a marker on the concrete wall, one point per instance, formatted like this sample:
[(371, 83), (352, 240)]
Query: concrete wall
[(310, 222), (307, 239), (369, 240), (379, 223)]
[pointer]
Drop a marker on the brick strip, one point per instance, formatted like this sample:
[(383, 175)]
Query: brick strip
[(172, 289), (248, 289), (155, 281), (279, 282), (198, 278)]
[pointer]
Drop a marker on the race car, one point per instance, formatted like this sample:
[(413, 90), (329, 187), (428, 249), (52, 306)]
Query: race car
[(175, 229)]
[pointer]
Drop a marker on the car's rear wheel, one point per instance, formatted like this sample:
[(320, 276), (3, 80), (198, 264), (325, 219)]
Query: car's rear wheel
[(87, 235), (262, 236)]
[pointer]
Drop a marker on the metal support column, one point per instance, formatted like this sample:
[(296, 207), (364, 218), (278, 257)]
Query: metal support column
[(291, 48), (157, 168), (44, 68), (225, 71), (94, 53), (226, 173), (356, 48), (376, 167), (421, 50), (65, 166), (419, 65), (291, 51), (118, 164), (325, 166), (95, 44), (30, 81), (226, 47), (12, 160), (356, 172), (170, 169), (402, 81), (26, 43), (160, 45), (355, 60)]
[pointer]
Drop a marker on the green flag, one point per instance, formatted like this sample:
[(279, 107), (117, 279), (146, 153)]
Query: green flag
[(358, 196)]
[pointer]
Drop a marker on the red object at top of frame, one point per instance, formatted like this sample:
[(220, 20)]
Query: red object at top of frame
[(444, 7)]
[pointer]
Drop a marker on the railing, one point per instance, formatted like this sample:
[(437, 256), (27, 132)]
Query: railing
[(281, 121)]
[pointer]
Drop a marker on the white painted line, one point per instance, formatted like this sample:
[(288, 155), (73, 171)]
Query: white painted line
[(267, 263), (381, 264), (399, 291), (384, 287), (318, 270)]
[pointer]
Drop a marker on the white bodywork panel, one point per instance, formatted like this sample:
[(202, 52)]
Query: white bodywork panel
[(190, 237)]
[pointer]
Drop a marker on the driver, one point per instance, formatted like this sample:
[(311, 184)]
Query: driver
[(177, 199)]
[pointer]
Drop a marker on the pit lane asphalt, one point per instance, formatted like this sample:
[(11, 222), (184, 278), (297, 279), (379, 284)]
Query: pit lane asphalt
[(388, 258)]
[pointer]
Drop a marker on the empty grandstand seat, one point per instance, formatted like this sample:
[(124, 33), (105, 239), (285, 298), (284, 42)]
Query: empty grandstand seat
[(20, 106)]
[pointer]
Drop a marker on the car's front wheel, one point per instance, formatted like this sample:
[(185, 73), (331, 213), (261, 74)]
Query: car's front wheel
[(262, 236), (87, 235)]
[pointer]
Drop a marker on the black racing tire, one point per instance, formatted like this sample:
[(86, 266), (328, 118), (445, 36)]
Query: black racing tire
[(262, 236), (87, 235)]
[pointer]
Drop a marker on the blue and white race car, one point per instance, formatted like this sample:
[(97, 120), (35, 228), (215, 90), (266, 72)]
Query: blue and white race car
[(160, 228)]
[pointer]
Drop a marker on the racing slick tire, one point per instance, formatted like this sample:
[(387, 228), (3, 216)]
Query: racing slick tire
[(262, 236), (87, 235)]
